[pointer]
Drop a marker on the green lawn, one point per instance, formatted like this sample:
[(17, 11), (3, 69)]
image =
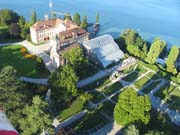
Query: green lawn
[(87, 71), (97, 96), (140, 83), (112, 88), (161, 93), (115, 98), (11, 55), (89, 122), (174, 99), (131, 77), (76, 107), (171, 95), (108, 108), (154, 76), (97, 84), (151, 86)]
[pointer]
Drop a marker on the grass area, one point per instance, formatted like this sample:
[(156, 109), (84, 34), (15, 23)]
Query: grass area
[(112, 88), (151, 86), (170, 94), (131, 77), (9, 40), (97, 84), (108, 108), (141, 69), (154, 76), (140, 83), (75, 107), (89, 122), (88, 70), (97, 96), (115, 98), (160, 93), (174, 99), (2, 27), (11, 55), (159, 122)]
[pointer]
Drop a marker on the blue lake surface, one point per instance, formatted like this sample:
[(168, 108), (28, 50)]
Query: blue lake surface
[(151, 18)]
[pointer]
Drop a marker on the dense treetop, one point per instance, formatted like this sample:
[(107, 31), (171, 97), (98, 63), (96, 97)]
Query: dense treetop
[(8, 16), (35, 119), (63, 85), (171, 59), (156, 48), (132, 108)]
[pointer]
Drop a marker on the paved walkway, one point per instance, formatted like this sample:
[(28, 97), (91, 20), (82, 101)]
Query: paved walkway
[(110, 129), (97, 76), (34, 80)]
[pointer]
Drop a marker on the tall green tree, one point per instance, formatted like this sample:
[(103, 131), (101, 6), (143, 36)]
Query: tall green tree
[(14, 30), (35, 119), (97, 18), (157, 47), (77, 19), (75, 57), (131, 130), (63, 85), (33, 17), (12, 95), (132, 108), (77, 60), (67, 16), (135, 45), (24, 27), (84, 23), (171, 59), (8, 16)]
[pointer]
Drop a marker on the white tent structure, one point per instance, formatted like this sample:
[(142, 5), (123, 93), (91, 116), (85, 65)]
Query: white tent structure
[(103, 50), (6, 127)]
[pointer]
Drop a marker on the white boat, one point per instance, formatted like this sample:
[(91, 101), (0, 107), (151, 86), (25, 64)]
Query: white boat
[(6, 128), (50, 4)]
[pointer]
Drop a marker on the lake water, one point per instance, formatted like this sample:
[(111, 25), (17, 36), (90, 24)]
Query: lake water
[(151, 18)]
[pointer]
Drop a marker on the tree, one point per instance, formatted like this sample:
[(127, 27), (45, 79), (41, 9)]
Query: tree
[(77, 60), (77, 19), (97, 18), (33, 17), (157, 47), (84, 23), (135, 45), (67, 16), (12, 95), (132, 108), (131, 130), (63, 85), (14, 30), (8, 16), (75, 56), (35, 119), (24, 27), (171, 59), (40, 66)]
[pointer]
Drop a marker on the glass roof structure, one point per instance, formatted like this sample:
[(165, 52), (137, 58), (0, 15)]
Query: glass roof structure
[(104, 49)]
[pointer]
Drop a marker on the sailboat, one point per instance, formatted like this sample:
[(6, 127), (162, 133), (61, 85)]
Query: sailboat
[(50, 3)]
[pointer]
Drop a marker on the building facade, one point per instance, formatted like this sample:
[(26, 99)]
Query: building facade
[(67, 31), (61, 34)]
